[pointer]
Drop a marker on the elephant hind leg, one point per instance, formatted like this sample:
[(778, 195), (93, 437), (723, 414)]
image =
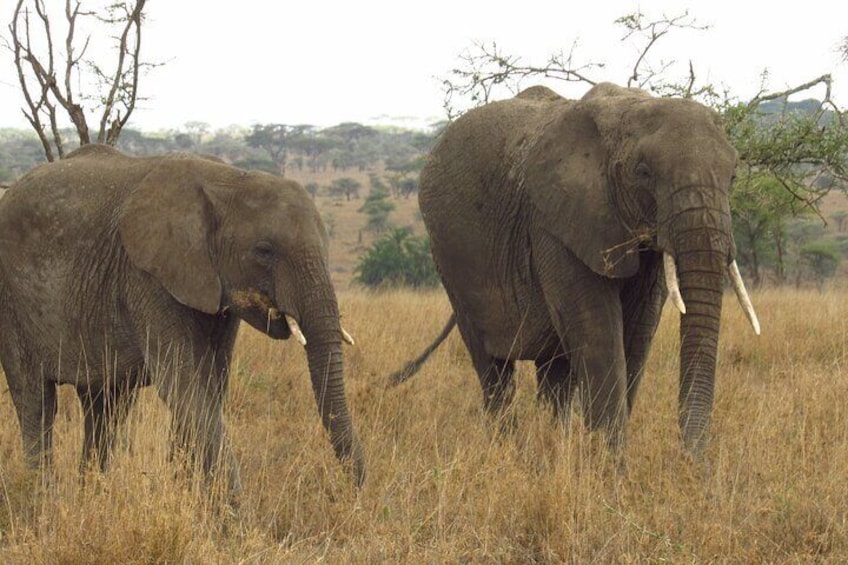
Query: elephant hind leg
[(498, 382), (33, 392), (556, 383), (496, 375), (36, 408)]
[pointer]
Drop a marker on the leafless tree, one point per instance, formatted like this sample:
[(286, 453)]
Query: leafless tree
[(51, 75), (486, 68)]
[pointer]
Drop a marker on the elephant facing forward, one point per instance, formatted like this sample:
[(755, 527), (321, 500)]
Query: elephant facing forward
[(559, 227), (117, 272)]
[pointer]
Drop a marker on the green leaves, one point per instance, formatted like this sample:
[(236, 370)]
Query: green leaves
[(398, 259), (377, 208)]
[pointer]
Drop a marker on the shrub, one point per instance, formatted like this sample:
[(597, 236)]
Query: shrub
[(398, 259)]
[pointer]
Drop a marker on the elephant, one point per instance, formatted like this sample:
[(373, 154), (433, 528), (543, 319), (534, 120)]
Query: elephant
[(119, 272), (559, 227)]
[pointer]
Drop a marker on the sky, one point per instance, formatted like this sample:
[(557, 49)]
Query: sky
[(324, 62)]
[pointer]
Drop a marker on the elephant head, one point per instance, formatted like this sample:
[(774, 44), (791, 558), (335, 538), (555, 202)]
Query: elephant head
[(219, 239), (632, 171)]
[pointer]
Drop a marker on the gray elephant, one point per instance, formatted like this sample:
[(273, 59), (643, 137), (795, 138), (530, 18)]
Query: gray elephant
[(120, 272), (559, 227)]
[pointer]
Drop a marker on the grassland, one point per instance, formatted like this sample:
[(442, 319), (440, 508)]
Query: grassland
[(444, 485)]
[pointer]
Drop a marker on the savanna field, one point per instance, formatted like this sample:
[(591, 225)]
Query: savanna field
[(446, 484)]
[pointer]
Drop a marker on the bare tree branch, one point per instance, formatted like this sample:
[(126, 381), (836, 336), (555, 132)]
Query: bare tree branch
[(824, 79), (118, 88), (651, 32), (121, 92), (485, 68), (35, 108)]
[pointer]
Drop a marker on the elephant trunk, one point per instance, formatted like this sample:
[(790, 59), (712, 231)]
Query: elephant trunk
[(323, 334), (701, 255), (699, 329)]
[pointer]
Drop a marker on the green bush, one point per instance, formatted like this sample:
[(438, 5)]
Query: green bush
[(377, 208), (822, 258), (397, 259)]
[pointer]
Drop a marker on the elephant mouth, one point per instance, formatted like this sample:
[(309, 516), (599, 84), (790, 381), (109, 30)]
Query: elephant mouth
[(674, 294), (258, 310)]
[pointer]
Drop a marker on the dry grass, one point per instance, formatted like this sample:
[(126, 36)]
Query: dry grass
[(444, 486)]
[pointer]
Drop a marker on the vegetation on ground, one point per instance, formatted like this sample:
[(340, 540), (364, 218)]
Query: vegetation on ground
[(445, 484), (397, 259)]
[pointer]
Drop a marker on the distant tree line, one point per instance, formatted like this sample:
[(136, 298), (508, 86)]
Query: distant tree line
[(791, 153), (276, 148)]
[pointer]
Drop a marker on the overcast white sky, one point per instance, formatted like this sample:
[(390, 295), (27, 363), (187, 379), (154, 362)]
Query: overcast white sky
[(323, 62)]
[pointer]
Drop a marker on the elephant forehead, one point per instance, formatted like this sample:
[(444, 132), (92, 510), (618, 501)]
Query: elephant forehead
[(673, 115)]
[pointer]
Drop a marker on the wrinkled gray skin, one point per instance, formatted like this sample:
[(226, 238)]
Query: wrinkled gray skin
[(548, 219), (117, 272)]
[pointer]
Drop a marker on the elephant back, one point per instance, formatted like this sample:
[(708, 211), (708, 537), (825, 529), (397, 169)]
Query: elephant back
[(480, 148)]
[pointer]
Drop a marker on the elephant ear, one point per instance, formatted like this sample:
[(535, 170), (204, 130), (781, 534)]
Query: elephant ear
[(566, 180), (165, 227)]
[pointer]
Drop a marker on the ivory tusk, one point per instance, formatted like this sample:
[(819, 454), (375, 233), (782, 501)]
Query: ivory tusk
[(295, 330), (671, 282), (742, 295), (347, 337)]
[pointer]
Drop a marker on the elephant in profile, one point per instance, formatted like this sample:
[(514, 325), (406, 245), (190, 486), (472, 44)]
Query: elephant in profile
[(120, 272), (559, 227)]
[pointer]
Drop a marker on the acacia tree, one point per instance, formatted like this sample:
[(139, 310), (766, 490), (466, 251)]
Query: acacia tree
[(50, 76), (775, 141), (277, 140)]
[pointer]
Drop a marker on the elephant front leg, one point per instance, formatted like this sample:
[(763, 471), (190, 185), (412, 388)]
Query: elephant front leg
[(602, 370), (193, 387), (585, 310), (642, 300), (105, 408)]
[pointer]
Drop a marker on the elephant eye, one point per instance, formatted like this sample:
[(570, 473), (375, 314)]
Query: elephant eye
[(264, 252), (643, 171)]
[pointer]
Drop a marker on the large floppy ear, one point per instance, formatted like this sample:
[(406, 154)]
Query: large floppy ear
[(566, 178), (165, 227)]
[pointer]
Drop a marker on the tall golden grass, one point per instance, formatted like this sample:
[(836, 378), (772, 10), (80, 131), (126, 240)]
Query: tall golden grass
[(445, 484)]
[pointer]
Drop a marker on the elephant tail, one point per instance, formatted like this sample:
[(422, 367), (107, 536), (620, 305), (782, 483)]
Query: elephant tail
[(412, 367)]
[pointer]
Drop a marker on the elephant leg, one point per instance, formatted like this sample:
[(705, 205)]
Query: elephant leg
[(586, 312), (496, 375), (105, 409), (602, 370), (498, 383), (94, 444), (192, 385), (34, 397), (556, 383), (642, 300)]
